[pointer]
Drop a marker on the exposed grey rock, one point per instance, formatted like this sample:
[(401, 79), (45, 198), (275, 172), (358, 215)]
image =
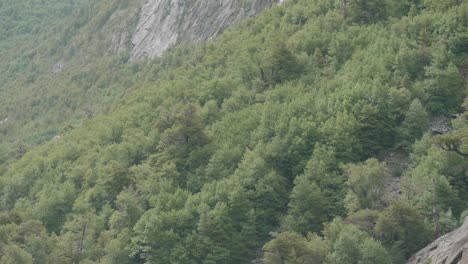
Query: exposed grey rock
[(273, 234), (121, 26), (164, 23), (397, 161), (392, 189), (257, 261), (120, 37), (464, 73), (58, 67), (451, 248), (440, 125), (3, 121)]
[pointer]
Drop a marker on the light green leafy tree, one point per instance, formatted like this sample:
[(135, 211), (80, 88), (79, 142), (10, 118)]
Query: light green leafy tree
[(366, 183)]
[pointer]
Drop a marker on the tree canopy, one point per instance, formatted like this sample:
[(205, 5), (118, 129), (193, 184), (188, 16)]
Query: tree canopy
[(280, 135)]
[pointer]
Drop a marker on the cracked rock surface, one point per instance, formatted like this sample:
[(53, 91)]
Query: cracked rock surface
[(163, 23), (452, 248)]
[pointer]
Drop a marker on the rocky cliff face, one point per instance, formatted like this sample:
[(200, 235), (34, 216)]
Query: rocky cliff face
[(451, 248), (164, 23)]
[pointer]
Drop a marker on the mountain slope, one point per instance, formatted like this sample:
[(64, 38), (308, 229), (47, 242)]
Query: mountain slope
[(278, 127), (67, 60)]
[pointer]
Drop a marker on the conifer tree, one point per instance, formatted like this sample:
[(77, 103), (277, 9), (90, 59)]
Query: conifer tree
[(416, 123)]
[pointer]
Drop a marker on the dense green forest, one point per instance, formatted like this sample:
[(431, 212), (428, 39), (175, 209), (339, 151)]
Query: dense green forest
[(58, 66), (300, 136)]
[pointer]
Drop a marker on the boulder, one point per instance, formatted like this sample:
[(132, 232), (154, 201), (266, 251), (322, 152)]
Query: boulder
[(452, 248)]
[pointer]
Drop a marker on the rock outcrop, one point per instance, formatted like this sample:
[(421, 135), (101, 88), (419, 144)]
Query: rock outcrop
[(163, 23), (451, 248), (440, 125), (464, 73)]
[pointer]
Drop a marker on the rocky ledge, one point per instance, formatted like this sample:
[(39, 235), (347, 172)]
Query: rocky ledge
[(164, 23), (451, 248)]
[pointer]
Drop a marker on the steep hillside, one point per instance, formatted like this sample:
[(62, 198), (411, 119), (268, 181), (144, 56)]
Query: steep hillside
[(57, 70), (67, 60), (272, 136)]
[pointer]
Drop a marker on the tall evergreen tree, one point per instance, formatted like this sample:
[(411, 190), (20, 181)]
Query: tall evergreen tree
[(416, 123)]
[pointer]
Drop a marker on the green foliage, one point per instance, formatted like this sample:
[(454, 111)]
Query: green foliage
[(289, 248), (440, 5), (306, 207), (348, 244), (374, 252), (365, 220), (361, 11), (343, 243), (402, 225), (366, 185), (445, 89), (447, 222), (323, 170), (415, 125), (417, 183), (197, 156), (55, 71), (14, 254)]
